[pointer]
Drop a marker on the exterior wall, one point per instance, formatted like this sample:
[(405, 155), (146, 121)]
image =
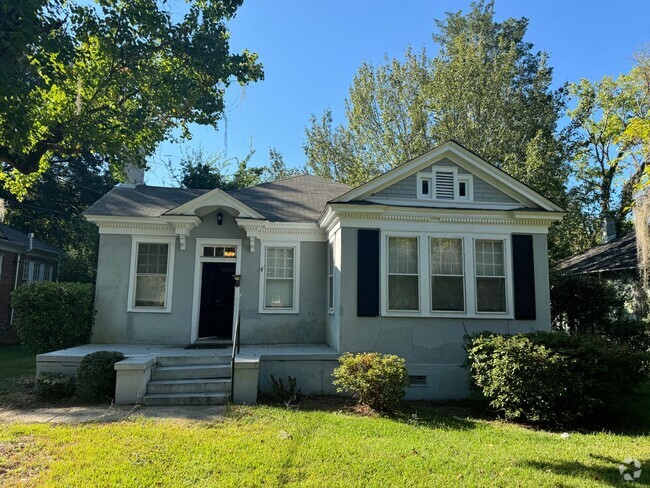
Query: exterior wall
[(406, 189), (113, 324), (431, 346)]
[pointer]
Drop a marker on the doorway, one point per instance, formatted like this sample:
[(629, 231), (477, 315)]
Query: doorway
[(217, 300)]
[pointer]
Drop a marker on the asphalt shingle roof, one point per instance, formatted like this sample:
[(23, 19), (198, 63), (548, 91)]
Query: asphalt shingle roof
[(13, 236), (296, 199), (619, 254)]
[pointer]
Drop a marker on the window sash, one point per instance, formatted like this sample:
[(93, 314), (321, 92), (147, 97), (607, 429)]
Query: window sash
[(151, 270), (279, 278), (447, 284), (490, 276), (403, 274)]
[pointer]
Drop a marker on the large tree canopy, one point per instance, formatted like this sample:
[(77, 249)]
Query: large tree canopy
[(486, 88), (114, 78)]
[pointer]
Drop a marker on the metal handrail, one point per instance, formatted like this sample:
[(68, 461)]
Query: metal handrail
[(235, 351)]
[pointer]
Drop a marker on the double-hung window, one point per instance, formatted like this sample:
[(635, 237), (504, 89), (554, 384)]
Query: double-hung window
[(403, 274), (447, 277), (440, 275), (490, 276), (280, 279), (150, 286)]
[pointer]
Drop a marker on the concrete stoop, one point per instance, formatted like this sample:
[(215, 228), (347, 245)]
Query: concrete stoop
[(191, 380)]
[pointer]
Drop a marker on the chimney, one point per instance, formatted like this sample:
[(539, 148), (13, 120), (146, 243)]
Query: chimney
[(3, 209), (134, 175), (609, 229), (31, 241)]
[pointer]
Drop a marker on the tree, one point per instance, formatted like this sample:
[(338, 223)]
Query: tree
[(113, 79), (612, 155), (278, 169), (52, 210), (485, 88)]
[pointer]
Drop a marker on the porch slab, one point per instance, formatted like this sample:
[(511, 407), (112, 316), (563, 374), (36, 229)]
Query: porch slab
[(291, 352)]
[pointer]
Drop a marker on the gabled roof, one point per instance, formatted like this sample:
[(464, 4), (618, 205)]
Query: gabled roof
[(296, 199), (20, 239), (619, 254), (464, 158)]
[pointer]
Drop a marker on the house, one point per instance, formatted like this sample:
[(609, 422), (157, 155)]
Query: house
[(616, 259), (23, 259), (407, 263)]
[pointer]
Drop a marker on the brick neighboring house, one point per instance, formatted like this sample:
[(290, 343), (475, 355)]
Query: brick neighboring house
[(21, 263)]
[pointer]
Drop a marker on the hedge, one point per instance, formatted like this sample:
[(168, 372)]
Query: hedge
[(50, 316)]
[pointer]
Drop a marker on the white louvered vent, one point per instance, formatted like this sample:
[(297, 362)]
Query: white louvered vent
[(444, 185)]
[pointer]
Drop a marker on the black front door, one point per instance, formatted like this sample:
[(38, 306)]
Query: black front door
[(217, 300)]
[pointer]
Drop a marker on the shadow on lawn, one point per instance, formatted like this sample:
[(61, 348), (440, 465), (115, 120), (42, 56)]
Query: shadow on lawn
[(605, 475), (453, 415)]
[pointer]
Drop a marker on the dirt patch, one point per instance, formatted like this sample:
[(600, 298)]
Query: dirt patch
[(20, 461)]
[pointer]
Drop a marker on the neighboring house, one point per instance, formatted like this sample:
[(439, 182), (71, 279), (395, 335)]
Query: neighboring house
[(23, 259), (408, 263), (615, 260)]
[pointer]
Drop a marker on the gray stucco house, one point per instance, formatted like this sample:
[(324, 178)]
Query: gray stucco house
[(406, 263)]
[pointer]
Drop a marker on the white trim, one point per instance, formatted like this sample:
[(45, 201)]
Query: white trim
[(331, 267), (218, 198), (296, 277), (198, 269), (468, 179), (424, 281), (281, 231), (169, 285), (466, 160), (143, 226), (420, 178)]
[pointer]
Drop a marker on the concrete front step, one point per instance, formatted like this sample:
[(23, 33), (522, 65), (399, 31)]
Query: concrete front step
[(212, 359), (187, 399), (189, 386), (200, 371)]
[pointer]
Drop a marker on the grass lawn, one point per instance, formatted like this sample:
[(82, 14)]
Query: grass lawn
[(322, 444)]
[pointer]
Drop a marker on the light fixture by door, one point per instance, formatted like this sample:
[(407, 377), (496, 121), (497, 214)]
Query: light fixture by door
[(219, 218)]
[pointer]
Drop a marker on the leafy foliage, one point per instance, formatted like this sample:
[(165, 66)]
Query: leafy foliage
[(52, 209), (96, 376), (586, 305), (375, 380), (114, 78), (553, 378), (54, 386), (485, 88), (53, 315)]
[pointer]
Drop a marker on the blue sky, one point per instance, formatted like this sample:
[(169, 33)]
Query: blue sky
[(311, 49)]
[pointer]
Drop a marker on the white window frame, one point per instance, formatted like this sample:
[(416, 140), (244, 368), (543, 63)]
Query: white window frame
[(424, 262), (463, 258), (384, 275), (28, 269), (135, 241), (507, 278), (459, 178), (296, 277), (420, 178), (468, 179), (331, 274)]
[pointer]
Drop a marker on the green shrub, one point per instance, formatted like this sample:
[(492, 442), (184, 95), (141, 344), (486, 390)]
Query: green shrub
[(54, 386), (96, 376), (375, 380), (50, 316), (553, 378)]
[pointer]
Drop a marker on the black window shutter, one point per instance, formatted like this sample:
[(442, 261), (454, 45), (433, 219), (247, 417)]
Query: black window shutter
[(523, 263), (368, 273)]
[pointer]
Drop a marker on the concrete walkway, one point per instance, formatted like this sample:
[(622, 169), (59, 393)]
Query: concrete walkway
[(79, 415)]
